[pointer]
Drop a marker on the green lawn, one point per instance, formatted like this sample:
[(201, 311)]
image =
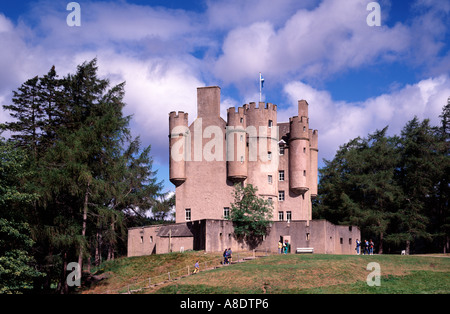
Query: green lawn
[(321, 274), (290, 273)]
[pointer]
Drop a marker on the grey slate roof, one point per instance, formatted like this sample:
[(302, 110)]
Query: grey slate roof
[(177, 230)]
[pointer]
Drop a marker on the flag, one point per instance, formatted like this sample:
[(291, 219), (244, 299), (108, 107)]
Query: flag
[(261, 80)]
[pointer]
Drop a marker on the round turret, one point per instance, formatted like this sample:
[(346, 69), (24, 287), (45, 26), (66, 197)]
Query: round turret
[(236, 145), (314, 151), (178, 146), (299, 160)]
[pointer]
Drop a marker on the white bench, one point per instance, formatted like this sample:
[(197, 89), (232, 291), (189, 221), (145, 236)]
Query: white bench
[(304, 250)]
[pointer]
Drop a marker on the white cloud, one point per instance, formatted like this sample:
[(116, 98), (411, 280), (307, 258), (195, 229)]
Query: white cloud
[(143, 46), (340, 121), (151, 49), (321, 42)]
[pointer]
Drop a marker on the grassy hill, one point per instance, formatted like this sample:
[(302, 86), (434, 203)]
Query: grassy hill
[(292, 273)]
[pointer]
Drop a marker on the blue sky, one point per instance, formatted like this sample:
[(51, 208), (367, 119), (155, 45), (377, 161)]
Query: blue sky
[(356, 78)]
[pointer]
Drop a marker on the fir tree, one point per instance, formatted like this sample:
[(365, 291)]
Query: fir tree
[(86, 170)]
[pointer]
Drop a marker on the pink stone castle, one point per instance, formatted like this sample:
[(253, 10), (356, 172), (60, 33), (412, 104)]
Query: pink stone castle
[(210, 155), (280, 159)]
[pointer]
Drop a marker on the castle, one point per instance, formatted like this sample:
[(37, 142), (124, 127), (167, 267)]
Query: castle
[(211, 155)]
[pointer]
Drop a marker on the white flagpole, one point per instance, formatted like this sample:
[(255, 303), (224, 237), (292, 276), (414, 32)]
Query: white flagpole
[(260, 87)]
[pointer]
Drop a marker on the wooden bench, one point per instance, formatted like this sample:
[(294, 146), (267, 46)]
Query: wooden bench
[(304, 250)]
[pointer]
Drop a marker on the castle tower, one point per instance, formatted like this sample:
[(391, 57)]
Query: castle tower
[(299, 150), (314, 151), (236, 139), (179, 146), (263, 156)]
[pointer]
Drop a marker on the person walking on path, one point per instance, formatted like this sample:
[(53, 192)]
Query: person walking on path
[(230, 258), (225, 257), (196, 267)]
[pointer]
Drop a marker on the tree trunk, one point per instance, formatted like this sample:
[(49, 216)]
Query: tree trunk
[(408, 245), (111, 244), (63, 288), (97, 248), (447, 244), (83, 231), (380, 245)]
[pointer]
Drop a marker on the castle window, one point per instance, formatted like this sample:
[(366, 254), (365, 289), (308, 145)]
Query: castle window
[(270, 123), (280, 216), (304, 173), (242, 120), (304, 149), (307, 236), (226, 212), (304, 129), (281, 150), (281, 195), (281, 175), (142, 239), (341, 241), (242, 159), (269, 155), (270, 200), (269, 179), (350, 241), (242, 138), (151, 239), (288, 215), (188, 214)]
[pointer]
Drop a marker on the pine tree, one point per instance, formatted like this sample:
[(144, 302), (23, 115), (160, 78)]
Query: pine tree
[(87, 171), (441, 206), (17, 269), (27, 113), (417, 170), (358, 186)]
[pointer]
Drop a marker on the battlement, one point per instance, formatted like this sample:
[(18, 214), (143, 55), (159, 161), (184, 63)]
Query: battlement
[(297, 119), (240, 110), (261, 106), (179, 115)]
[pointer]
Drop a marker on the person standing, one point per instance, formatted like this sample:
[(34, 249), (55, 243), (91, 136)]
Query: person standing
[(280, 246), (358, 245), (371, 244), (366, 247)]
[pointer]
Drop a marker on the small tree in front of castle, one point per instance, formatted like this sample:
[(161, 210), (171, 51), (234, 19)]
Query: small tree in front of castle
[(251, 214)]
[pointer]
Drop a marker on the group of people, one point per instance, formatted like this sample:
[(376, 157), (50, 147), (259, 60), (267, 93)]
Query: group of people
[(283, 247), (366, 247), (227, 256)]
